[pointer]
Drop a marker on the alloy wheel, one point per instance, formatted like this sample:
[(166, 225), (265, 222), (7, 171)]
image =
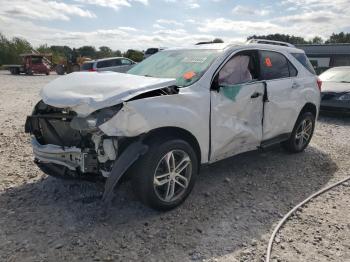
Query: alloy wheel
[(172, 175), (304, 133)]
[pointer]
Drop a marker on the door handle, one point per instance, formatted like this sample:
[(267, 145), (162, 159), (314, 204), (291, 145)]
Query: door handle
[(256, 95)]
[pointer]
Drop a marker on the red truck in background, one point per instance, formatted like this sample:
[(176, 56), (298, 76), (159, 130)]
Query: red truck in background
[(32, 64)]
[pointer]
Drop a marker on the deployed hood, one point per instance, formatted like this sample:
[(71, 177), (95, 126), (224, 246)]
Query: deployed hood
[(335, 87), (86, 92)]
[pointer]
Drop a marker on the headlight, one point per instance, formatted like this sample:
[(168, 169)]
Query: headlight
[(345, 97), (95, 119)]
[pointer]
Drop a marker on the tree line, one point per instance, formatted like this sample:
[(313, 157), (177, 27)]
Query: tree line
[(296, 40), (10, 49)]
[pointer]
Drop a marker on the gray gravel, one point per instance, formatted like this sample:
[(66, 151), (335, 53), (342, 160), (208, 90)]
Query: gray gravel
[(229, 216)]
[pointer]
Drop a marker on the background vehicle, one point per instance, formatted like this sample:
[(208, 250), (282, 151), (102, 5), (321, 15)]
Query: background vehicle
[(32, 64), (336, 89), (172, 112), (152, 51), (71, 64), (116, 64)]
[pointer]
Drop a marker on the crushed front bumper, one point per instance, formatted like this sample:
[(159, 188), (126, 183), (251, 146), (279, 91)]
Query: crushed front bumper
[(70, 157)]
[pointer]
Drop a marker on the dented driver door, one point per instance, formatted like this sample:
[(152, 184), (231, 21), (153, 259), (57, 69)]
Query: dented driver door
[(236, 119), (236, 106)]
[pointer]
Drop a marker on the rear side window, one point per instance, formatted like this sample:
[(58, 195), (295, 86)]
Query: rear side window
[(116, 62), (302, 58), (87, 66), (273, 65), (105, 63)]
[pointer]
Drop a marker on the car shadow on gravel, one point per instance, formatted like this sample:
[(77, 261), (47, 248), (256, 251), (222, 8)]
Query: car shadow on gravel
[(234, 204)]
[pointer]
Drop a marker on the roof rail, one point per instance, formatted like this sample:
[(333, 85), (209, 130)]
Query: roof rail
[(268, 42)]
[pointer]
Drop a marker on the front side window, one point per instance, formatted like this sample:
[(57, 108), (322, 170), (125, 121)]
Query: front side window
[(242, 68), (186, 66), (273, 65)]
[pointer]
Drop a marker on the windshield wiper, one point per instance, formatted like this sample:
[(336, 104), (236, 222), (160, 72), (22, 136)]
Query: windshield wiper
[(344, 81)]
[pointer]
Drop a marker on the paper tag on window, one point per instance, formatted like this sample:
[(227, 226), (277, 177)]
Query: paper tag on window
[(268, 62)]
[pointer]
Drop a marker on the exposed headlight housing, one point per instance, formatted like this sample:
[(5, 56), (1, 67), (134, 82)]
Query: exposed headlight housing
[(95, 119), (345, 97)]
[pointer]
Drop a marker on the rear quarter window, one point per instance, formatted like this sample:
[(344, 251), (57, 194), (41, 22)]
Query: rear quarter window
[(273, 65), (302, 58)]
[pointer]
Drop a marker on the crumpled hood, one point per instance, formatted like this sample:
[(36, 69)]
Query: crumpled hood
[(335, 87), (86, 92)]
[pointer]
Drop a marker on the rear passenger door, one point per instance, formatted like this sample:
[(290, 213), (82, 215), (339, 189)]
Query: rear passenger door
[(280, 110)]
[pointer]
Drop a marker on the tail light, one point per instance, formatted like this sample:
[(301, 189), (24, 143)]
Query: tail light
[(92, 70), (319, 83)]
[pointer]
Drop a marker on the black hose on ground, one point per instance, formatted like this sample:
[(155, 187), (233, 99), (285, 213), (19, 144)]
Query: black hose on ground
[(285, 218)]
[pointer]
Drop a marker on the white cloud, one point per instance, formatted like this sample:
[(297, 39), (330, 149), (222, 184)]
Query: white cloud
[(192, 4), (115, 4), (238, 26), (169, 22), (118, 38), (42, 10), (248, 10), (127, 28)]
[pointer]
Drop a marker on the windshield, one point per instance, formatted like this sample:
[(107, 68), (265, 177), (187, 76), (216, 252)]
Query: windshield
[(336, 75), (186, 66)]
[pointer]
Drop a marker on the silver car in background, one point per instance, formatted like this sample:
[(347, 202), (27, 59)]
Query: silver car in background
[(336, 89), (116, 64)]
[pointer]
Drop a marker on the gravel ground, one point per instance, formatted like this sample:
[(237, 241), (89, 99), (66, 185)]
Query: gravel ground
[(228, 217)]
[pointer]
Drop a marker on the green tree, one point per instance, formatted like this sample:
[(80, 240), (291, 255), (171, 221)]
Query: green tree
[(134, 55), (281, 37), (339, 38), (105, 51), (87, 51), (117, 53), (317, 40)]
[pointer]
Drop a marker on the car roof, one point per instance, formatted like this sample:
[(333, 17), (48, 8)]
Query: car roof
[(237, 46), (108, 58)]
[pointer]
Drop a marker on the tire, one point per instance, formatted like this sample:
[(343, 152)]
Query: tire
[(60, 70), (302, 133), (154, 163)]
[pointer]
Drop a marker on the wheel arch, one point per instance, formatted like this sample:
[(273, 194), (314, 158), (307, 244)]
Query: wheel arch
[(309, 107), (175, 132)]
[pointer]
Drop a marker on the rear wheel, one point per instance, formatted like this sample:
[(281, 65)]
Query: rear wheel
[(165, 176), (302, 133)]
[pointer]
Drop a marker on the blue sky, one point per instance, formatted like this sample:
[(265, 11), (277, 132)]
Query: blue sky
[(123, 24)]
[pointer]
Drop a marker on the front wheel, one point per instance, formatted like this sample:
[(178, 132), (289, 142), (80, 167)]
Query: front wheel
[(302, 133), (165, 176)]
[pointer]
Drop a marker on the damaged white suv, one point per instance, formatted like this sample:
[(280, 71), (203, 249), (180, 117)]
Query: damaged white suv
[(174, 111)]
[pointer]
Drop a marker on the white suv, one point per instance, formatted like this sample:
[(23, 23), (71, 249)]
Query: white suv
[(174, 111)]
